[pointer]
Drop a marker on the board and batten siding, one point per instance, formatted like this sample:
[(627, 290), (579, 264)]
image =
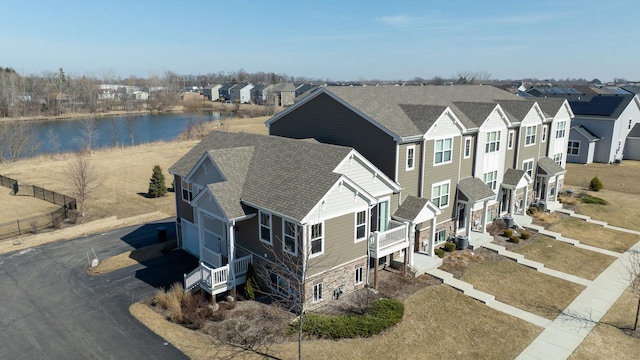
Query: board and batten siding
[(339, 246), (328, 121), (439, 173)]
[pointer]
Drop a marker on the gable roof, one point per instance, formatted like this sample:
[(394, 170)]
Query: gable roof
[(423, 116), (550, 167), (513, 177), (475, 189), (477, 112), (516, 109), (605, 105), (635, 131), (585, 133), (550, 106), (417, 210), (282, 175)]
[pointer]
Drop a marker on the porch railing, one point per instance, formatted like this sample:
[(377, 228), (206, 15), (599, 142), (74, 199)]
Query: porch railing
[(396, 234), (211, 278), (211, 257)]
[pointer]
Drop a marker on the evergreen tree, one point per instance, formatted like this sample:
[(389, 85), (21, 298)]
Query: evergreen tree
[(157, 187)]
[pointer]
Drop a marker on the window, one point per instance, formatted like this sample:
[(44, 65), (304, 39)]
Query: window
[(361, 225), (317, 292), (443, 151), (491, 179), (544, 134), (279, 284), (510, 140), (265, 227), (493, 142), (530, 135), (316, 239), (558, 159), (411, 151), (560, 132), (441, 236), (358, 275), (467, 147), (527, 166), (440, 194), (573, 148), (290, 237), (187, 190)]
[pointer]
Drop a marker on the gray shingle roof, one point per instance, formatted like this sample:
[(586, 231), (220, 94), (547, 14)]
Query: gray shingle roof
[(423, 116), (635, 131), (585, 132), (283, 175), (410, 207), (516, 109), (475, 189), (477, 112), (382, 104), (550, 167), (234, 164), (550, 106), (512, 177)]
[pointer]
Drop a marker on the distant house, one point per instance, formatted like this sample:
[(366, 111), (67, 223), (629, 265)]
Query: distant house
[(290, 207), (284, 94), (225, 92), (212, 92), (607, 117), (581, 146), (258, 94), (304, 88), (632, 146), (241, 93)]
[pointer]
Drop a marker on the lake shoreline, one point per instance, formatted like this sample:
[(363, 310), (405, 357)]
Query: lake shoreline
[(80, 116)]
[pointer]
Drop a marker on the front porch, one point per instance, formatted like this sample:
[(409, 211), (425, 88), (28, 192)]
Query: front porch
[(216, 280), (387, 242)]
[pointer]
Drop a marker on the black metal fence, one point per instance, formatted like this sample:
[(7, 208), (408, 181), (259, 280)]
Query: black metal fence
[(40, 222)]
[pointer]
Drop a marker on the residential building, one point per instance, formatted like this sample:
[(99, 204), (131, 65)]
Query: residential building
[(225, 92), (212, 92), (475, 152), (292, 208), (241, 93)]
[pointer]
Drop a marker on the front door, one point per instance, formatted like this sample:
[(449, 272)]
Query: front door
[(383, 215), (461, 217), (505, 200)]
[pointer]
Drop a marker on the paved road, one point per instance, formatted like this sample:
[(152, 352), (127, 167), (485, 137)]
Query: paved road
[(51, 309)]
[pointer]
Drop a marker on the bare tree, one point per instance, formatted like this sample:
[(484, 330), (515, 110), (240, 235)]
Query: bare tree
[(15, 138), (88, 135), (131, 123), (633, 268), (54, 141), (114, 131), (83, 179)]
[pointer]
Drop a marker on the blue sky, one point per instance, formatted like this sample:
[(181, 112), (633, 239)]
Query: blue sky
[(326, 39)]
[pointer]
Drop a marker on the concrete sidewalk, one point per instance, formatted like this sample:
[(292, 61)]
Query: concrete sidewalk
[(569, 329)]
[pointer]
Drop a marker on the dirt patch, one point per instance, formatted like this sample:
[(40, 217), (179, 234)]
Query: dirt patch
[(459, 261)]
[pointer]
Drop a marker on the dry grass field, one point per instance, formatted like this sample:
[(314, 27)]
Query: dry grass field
[(566, 257), (13, 208), (594, 235), (607, 340), (438, 323), (522, 287)]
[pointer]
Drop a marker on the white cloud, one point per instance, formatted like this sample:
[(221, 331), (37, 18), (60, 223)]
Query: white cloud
[(404, 21)]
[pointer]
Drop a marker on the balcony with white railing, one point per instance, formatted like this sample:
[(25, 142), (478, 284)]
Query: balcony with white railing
[(217, 280), (395, 238)]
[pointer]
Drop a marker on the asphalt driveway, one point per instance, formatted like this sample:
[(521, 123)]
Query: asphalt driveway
[(51, 309)]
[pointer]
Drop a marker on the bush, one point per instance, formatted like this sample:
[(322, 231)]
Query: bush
[(507, 232), (449, 246), (525, 235), (532, 210), (439, 252), (514, 239), (157, 187), (595, 184), (251, 286), (588, 199), (381, 315)]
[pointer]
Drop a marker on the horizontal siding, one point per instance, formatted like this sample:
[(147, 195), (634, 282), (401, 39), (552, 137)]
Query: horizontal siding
[(339, 245), (183, 208), (466, 165), (328, 121), (409, 180), (436, 174)]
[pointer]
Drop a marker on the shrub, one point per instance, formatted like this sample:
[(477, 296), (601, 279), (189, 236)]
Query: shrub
[(588, 199), (449, 246), (381, 315), (157, 187), (595, 184), (439, 252), (525, 235), (514, 239), (532, 210), (251, 285), (507, 232)]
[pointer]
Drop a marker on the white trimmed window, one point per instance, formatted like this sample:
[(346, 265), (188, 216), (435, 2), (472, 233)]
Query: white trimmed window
[(316, 240), (560, 132), (411, 154), (361, 226), (493, 142), (530, 135), (440, 194), (558, 159), (441, 236), (527, 166), (491, 179), (510, 140), (467, 147), (317, 292), (290, 237), (443, 151), (574, 148), (544, 134), (187, 190), (265, 227), (279, 284), (358, 275)]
